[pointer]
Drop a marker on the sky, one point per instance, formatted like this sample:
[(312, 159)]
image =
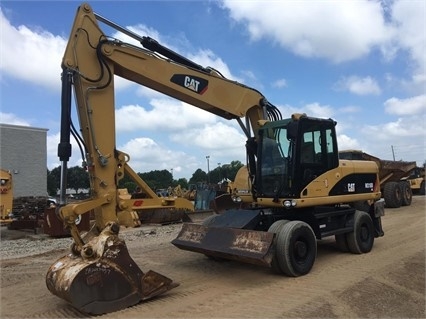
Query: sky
[(362, 63)]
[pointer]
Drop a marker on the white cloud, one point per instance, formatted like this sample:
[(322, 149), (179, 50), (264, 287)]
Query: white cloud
[(412, 127), (408, 133), (281, 83), (347, 143), (335, 30), (12, 119), (409, 20), (213, 136), (166, 114), (359, 86), (53, 161), (207, 58), (26, 54), (408, 106), (147, 155)]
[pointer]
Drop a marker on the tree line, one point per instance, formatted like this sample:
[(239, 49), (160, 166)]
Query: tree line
[(78, 178)]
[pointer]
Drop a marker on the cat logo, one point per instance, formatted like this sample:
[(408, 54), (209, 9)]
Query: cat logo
[(193, 83)]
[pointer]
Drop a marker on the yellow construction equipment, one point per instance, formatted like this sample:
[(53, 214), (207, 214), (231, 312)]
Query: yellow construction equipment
[(6, 196), (293, 190)]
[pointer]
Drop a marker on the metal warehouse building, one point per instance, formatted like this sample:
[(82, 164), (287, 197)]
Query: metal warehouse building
[(23, 153)]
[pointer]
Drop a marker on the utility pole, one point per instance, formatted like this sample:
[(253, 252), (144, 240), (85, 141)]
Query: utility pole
[(393, 153), (208, 169)]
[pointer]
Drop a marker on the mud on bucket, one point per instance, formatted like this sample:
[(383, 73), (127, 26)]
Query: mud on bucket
[(104, 278)]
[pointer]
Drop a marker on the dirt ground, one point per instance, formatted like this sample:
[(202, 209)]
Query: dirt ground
[(388, 282)]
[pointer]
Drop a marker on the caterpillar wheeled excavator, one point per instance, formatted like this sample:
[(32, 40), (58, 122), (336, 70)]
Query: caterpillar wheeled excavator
[(293, 190)]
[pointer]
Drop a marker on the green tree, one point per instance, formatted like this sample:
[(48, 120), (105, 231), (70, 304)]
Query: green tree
[(198, 176), (183, 182), (53, 181), (157, 179), (77, 178), (230, 170)]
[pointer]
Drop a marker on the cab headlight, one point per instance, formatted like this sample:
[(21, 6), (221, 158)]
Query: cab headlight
[(289, 203), (237, 199)]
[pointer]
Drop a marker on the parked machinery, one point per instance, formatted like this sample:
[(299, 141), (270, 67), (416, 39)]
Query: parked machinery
[(6, 196), (393, 175), (294, 188)]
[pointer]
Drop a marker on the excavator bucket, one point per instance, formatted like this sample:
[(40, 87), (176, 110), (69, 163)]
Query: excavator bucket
[(104, 278), (224, 237)]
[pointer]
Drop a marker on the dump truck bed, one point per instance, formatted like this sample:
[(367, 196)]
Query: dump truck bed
[(389, 171)]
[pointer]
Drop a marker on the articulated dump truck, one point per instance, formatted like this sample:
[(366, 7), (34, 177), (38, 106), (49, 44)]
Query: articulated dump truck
[(394, 184), (294, 188)]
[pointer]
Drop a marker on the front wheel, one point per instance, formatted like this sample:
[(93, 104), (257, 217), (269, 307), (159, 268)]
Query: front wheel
[(361, 239), (296, 248), (276, 228)]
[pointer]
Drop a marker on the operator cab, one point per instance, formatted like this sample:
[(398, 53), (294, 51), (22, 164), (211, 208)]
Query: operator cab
[(292, 153)]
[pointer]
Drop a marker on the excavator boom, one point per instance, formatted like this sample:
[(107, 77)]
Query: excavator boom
[(293, 190), (99, 275)]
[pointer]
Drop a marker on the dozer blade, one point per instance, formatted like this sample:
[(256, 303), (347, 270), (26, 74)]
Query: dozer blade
[(104, 278), (254, 247)]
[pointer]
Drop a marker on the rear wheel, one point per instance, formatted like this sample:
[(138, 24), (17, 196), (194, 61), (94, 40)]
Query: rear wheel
[(392, 194), (361, 205), (361, 239), (296, 248), (422, 188), (407, 193)]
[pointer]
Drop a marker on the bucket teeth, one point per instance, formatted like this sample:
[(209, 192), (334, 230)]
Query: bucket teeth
[(104, 278)]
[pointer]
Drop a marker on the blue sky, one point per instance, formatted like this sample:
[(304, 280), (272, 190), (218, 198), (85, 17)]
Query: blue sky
[(362, 63)]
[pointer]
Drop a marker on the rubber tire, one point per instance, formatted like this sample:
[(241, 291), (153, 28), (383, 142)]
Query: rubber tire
[(393, 195), (361, 239), (341, 243), (407, 193), (361, 205), (291, 234), (422, 188), (276, 228)]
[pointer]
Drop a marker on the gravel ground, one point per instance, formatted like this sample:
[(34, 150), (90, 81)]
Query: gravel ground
[(24, 243)]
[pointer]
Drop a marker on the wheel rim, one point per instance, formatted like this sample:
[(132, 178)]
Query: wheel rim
[(364, 233), (300, 251)]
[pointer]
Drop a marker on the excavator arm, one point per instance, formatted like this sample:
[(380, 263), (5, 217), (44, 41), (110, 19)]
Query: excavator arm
[(297, 189), (99, 261)]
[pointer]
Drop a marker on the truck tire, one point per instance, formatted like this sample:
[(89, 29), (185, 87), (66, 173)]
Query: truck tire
[(407, 193), (276, 228), (422, 188), (296, 248), (392, 194), (361, 239), (361, 205)]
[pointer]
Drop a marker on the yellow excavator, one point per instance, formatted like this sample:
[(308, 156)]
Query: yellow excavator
[(293, 190)]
